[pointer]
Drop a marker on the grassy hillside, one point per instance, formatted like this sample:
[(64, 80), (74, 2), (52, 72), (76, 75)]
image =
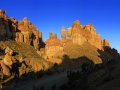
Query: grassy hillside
[(20, 49), (86, 50), (28, 54)]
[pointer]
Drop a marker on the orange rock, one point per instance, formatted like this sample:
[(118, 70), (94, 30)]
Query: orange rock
[(76, 25), (106, 43), (19, 37), (36, 42), (2, 14), (79, 34), (8, 60), (24, 31), (5, 69), (8, 51), (40, 35), (69, 33), (53, 46), (50, 35), (63, 34)]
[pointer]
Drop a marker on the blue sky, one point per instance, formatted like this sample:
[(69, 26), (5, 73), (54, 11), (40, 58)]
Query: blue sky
[(51, 15)]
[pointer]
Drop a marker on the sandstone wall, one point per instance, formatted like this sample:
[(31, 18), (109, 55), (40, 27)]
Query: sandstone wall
[(20, 31), (79, 34), (53, 46), (25, 31)]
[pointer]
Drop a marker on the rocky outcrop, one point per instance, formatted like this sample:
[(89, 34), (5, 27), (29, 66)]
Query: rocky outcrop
[(20, 31), (9, 51), (7, 26), (8, 60), (2, 14), (24, 31), (53, 46), (63, 34), (5, 69), (28, 33), (79, 34), (106, 43)]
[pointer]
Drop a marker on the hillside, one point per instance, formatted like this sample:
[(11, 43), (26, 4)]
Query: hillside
[(85, 50)]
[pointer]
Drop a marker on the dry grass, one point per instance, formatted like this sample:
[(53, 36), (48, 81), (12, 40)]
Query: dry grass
[(29, 54), (20, 49), (85, 50)]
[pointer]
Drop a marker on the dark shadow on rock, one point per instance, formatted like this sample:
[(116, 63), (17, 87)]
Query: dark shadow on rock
[(111, 51), (92, 75), (9, 29), (108, 54), (83, 74), (2, 52), (75, 63), (15, 53)]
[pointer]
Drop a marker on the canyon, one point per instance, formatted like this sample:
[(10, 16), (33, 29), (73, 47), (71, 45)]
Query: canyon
[(23, 51)]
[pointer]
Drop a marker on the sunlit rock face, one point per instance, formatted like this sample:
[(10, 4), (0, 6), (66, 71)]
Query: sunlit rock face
[(2, 14), (20, 31), (79, 34), (53, 46), (24, 31), (6, 63), (106, 43), (5, 69), (63, 34), (8, 60), (28, 33)]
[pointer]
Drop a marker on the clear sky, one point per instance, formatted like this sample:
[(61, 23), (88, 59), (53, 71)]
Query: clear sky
[(51, 15)]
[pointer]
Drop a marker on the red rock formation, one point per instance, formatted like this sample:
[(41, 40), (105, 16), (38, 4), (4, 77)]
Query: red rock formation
[(40, 35), (5, 69), (76, 25), (19, 37), (63, 34), (21, 31), (8, 60), (50, 35), (74, 33), (77, 34), (36, 41), (106, 43), (24, 31), (53, 46), (80, 34), (2, 14), (69, 33)]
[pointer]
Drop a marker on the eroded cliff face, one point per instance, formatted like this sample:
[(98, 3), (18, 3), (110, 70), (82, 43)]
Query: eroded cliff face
[(53, 46), (79, 34), (76, 34), (24, 31), (7, 26), (20, 31)]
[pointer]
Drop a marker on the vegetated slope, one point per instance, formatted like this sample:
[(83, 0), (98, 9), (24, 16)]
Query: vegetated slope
[(20, 49), (86, 50), (24, 52)]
